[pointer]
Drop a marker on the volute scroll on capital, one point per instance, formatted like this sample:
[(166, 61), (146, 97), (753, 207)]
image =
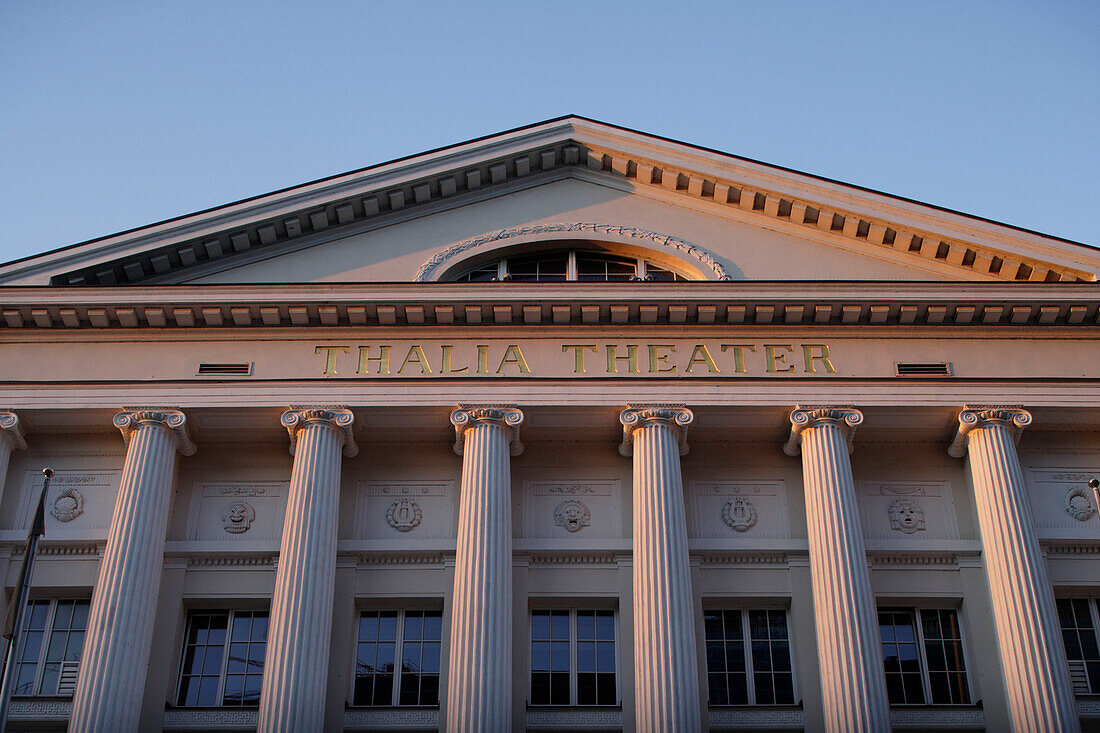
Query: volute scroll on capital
[(11, 428), (807, 417), (507, 417), (337, 418), (972, 417), (676, 417), (167, 418)]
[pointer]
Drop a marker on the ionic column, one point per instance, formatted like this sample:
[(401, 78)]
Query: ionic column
[(479, 670), (111, 683), (666, 684), (1033, 658), (11, 438), (853, 683), (295, 680)]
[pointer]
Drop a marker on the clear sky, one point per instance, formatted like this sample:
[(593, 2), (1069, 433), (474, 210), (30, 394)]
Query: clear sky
[(114, 115)]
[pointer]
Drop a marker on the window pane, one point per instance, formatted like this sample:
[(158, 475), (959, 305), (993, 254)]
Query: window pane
[(943, 650), (586, 688), (1080, 637)]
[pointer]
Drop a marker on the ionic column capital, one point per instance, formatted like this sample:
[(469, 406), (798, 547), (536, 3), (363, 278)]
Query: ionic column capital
[(11, 429), (676, 417), (846, 417), (972, 417), (507, 417), (166, 418), (335, 417)]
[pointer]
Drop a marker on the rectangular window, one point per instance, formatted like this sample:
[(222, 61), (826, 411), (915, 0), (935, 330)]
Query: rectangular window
[(743, 640), (923, 656), (1078, 618), (387, 636), (49, 647), (223, 659), (573, 658)]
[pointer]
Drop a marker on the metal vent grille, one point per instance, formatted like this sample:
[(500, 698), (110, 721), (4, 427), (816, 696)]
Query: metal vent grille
[(67, 684), (1079, 677), (922, 369), (226, 369)]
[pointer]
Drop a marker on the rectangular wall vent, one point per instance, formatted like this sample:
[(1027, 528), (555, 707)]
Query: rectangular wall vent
[(210, 368), (922, 369), (1078, 677)]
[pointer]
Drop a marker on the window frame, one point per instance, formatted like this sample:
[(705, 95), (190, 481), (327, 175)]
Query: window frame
[(47, 633), (641, 266), (224, 669), (746, 641), (1094, 616), (549, 607), (399, 641), (922, 654)]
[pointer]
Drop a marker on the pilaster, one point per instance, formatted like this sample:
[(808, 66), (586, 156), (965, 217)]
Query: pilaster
[(853, 684), (1033, 659), (666, 674), (115, 660), (479, 684)]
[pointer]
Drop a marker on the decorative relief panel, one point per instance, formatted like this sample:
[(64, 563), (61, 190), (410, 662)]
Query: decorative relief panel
[(363, 719), (755, 718), (588, 719), (1062, 503), (581, 509), (237, 511), (907, 511), (223, 719), (400, 510), (80, 503), (739, 509)]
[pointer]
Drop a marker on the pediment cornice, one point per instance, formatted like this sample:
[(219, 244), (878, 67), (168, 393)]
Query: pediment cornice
[(962, 247)]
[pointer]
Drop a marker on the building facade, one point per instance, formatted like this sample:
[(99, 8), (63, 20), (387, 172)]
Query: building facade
[(566, 428)]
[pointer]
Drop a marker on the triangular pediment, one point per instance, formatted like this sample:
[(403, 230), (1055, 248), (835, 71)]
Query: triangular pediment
[(569, 179)]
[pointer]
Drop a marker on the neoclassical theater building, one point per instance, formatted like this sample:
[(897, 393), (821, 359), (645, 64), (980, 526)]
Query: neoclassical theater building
[(570, 427)]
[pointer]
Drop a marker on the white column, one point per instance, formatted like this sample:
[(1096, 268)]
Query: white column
[(295, 680), (666, 671), (1033, 658), (479, 669), (853, 683), (11, 438), (111, 683)]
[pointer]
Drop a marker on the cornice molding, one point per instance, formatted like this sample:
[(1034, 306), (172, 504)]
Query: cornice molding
[(335, 207)]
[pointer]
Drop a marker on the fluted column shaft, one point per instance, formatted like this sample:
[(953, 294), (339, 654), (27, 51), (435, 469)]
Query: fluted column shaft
[(115, 659), (479, 670), (1033, 659), (295, 679), (666, 672), (853, 683)]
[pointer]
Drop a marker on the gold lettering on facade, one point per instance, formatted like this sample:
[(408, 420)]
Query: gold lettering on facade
[(330, 357), (631, 359), (365, 359), (700, 355), (446, 368), (658, 362), (482, 359), (778, 362), (578, 355), (420, 360), (513, 355), (814, 353), (739, 356)]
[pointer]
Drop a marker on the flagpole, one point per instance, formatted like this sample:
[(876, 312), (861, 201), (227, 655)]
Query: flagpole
[(19, 599)]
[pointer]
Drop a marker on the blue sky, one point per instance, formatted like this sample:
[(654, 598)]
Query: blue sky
[(114, 115)]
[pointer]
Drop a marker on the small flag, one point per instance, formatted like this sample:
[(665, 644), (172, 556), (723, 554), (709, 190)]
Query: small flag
[(38, 527)]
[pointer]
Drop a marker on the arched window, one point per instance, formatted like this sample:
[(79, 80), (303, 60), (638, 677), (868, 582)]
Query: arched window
[(573, 265)]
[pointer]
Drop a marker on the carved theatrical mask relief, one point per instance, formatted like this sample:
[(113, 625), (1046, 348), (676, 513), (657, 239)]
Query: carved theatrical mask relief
[(739, 514), (1079, 504), (404, 515), (68, 505), (573, 515), (906, 515), (238, 517)]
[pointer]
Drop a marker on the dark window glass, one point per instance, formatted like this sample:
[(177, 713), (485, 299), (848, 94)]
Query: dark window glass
[(1079, 636), (594, 267), (897, 632), (51, 640), (546, 268), (592, 642), (554, 267), (726, 673), (657, 273), (485, 273), (771, 658), (377, 673), (223, 651), (944, 654), (244, 668)]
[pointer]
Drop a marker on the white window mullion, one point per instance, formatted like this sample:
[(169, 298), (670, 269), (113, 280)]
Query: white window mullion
[(639, 269), (571, 266), (398, 643), (47, 632), (225, 658), (502, 269), (746, 639), (572, 641), (922, 656)]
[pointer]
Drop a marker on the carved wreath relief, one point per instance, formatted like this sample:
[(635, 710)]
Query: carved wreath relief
[(404, 515), (573, 515), (739, 514), (68, 505), (906, 515), (1079, 504), (238, 517)]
